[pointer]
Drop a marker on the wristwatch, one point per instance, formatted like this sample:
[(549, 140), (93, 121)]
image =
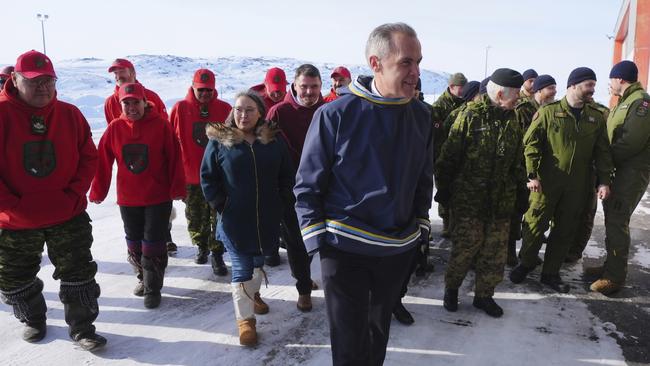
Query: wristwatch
[(532, 176)]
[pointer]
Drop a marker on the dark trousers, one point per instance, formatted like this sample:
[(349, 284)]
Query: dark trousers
[(360, 292), (146, 223), (299, 260)]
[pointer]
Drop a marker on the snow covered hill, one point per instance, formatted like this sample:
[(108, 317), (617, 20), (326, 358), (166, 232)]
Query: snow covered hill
[(85, 82)]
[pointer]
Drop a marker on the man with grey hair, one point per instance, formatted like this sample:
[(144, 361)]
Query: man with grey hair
[(479, 173), (363, 192)]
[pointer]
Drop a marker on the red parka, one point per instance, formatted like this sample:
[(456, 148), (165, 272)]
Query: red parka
[(113, 108), (331, 96), (188, 121), (294, 120), (149, 166), (45, 172)]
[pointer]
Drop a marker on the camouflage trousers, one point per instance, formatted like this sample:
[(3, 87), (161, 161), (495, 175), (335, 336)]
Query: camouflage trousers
[(201, 220), (482, 242), (68, 247)]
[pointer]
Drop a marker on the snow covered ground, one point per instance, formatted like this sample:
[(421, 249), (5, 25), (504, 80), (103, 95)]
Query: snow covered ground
[(195, 323)]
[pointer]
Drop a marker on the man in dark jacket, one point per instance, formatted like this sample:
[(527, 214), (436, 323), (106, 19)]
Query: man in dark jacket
[(47, 162), (294, 116), (363, 191)]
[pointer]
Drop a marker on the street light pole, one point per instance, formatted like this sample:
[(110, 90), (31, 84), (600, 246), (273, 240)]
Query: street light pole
[(486, 60), (42, 18)]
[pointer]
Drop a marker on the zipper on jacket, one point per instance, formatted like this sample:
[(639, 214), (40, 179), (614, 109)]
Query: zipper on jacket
[(257, 199)]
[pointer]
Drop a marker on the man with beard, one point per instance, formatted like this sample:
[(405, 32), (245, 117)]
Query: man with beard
[(294, 116), (527, 89), (563, 140), (340, 77), (5, 75)]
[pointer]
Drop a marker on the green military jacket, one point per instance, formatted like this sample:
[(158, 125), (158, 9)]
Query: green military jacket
[(525, 110), (449, 121), (441, 108), (523, 97), (480, 163), (628, 129), (557, 147)]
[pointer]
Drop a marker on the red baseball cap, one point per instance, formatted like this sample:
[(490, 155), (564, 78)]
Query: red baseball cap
[(203, 79), (132, 90), (6, 72), (341, 71), (33, 64), (275, 80), (121, 63)]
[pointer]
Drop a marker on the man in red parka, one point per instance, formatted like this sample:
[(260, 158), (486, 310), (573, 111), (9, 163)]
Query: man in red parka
[(274, 87), (125, 73), (47, 162), (340, 77), (189, 118)]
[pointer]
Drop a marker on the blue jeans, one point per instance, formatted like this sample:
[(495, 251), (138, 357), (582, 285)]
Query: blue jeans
[(242, 264)]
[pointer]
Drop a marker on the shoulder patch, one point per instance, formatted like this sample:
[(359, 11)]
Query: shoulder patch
[(642, 109)]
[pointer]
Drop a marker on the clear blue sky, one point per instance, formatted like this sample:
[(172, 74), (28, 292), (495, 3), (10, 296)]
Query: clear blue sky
[(552, 36)]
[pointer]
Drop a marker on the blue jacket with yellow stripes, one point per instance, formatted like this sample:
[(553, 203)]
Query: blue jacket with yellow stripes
[(365, 178)]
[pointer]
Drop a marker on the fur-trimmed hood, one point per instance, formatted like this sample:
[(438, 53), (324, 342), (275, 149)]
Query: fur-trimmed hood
[(230, 136)]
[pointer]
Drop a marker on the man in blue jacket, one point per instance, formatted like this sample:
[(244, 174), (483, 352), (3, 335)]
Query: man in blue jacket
[(363, 192)]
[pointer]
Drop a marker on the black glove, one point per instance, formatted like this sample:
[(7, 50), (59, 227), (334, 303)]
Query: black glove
[(442, 196)]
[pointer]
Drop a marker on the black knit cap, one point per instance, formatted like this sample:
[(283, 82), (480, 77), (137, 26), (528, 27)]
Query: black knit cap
[(508, 78), (625, 70), (579, 75), (470, 90), (529, 74), (542, 82), (483, 88)]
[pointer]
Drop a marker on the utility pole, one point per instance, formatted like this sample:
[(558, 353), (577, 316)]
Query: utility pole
[(42, 18), (486, 60)]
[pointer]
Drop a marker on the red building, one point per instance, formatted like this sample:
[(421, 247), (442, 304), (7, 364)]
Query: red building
[(632, 36)]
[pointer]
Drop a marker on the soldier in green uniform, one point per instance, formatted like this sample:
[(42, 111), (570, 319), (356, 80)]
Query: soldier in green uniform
[(563, 140), (442, 107), (478, 171), (586, 223), (628, 130), (544, 90), (527, 89)]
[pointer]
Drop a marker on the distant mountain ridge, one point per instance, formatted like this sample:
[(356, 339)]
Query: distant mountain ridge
[(86, 82)]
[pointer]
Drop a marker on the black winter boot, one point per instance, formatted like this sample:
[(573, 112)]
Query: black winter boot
[(201, 256), (154, 274), (450, 301), (512, 253), (81, 309), (519, 274), (555, 282), (29, 307), (488, 305), (218, 266), (402, 315), (272, 260)]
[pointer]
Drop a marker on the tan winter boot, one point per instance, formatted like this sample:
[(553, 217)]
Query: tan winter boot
[(244, 312), (260, 306), (605, 286), (247, 332)]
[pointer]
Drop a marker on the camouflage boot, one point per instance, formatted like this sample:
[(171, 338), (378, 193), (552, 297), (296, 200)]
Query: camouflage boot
[(29, 307), (81, 309)]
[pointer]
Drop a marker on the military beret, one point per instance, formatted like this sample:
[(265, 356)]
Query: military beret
[(542, 81), (483, 88), (508, 78), (579, 75), (470, 90), (529, 74), (458, 79), (625, 70)]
